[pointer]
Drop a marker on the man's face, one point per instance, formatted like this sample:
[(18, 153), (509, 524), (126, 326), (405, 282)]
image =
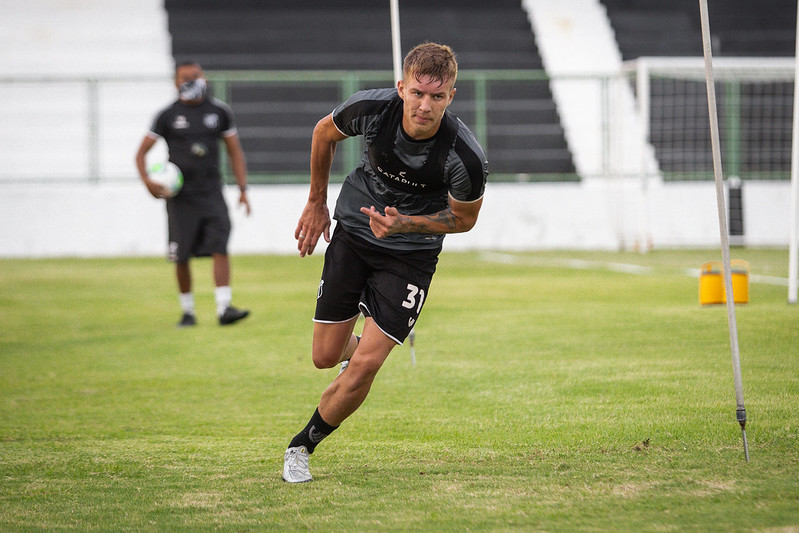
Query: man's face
[(424, 103), (188, 73)]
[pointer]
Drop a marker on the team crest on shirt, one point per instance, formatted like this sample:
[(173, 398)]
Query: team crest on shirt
[(211, 120), (180, 123)]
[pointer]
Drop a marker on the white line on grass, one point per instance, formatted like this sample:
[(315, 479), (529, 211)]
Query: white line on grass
[(577, 264), (626, 268)]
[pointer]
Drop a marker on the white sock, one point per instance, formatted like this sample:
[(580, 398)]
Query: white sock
[(223, 295), (187, 302)]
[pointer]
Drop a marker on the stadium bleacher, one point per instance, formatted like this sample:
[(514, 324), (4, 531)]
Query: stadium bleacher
[(524, 134), (740, 28), (53, 65)]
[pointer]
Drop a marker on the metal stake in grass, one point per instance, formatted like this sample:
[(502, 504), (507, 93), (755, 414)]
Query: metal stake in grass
[(722, 209), (412, 343)]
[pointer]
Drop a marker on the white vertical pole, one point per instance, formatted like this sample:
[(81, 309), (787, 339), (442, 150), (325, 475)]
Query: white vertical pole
[(722, 210), (396, 50), (642, 88), (793, 254), (396, 47)]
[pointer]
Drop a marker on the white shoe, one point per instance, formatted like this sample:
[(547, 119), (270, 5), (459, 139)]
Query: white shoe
[(344, 365), (295, 465)]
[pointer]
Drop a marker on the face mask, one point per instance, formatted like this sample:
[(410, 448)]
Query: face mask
[(193, 90)]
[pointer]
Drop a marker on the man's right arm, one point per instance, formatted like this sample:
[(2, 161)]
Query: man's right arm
[(315, 218), (157, 190)]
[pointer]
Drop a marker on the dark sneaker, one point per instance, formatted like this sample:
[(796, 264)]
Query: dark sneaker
[(232, 315), (188, 320)]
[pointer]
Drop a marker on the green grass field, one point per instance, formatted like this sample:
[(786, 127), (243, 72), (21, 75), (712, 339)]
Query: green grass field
[(552, 392)]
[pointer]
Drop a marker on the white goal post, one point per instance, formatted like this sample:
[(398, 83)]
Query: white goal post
[(755, 101), (755, 98)]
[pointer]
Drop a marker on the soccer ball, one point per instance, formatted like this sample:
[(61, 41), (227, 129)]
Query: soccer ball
[(169, 175)]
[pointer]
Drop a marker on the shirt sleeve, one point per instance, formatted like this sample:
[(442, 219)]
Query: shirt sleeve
[(467, 167), (354, 116), (228, 120), (159, 126)]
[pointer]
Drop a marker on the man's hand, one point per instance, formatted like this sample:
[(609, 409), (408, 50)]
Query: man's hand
[(314, 221), (157, 190), (384, 225), (457, 218), (244, 201)]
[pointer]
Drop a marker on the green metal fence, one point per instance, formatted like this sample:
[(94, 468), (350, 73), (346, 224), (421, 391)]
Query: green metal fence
[(510, 112), (86, 129)]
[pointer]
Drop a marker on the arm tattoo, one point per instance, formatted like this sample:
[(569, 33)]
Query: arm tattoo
[(444, 217)]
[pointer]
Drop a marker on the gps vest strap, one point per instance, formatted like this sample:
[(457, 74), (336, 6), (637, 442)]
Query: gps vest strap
[(427, 180)]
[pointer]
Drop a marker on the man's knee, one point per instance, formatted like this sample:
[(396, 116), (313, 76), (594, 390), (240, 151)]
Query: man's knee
[(327, 354), (330, 344), (324, 357)]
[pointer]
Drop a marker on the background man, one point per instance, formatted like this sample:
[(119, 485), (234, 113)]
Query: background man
[(199, 224)]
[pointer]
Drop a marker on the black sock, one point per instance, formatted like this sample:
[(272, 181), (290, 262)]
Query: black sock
[(316, 430)]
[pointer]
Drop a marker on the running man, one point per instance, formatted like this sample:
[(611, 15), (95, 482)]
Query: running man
[(421, 176)]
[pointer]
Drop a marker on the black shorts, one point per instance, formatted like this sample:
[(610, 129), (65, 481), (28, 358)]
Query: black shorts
[(388, 285), (199, 226)]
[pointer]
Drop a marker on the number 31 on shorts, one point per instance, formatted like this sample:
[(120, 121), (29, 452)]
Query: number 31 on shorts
[(410, 301)]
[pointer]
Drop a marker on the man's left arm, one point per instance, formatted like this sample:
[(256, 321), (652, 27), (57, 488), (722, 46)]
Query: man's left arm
[(458, 217), (239, 165)]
